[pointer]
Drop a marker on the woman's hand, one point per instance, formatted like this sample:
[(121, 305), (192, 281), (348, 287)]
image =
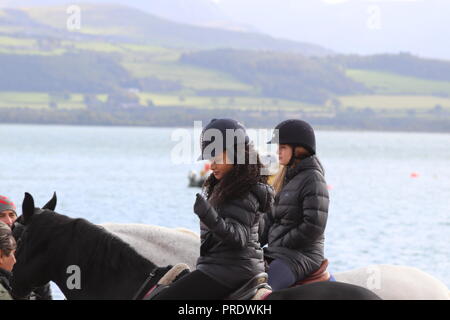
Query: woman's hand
[(201, 206)]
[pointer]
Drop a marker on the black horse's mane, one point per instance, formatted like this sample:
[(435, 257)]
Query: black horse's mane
[(93, 246)]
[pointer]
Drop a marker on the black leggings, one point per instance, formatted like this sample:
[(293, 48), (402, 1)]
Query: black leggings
[(195, 286)]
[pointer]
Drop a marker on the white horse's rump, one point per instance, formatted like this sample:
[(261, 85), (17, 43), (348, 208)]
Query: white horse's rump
[(391, 282), (164, 246), (160, 245)]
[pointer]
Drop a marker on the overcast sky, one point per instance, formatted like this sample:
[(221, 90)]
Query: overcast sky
[(361, 26), (421, 27)]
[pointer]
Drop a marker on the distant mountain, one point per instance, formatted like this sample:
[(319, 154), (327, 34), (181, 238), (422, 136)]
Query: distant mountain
[(125, 24), (420, 27), (197, 12), (346, 26)]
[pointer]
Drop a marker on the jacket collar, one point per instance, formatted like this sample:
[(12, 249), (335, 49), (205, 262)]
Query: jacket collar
[(311, 162)]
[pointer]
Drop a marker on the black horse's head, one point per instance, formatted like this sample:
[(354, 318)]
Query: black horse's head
[(32, 247)]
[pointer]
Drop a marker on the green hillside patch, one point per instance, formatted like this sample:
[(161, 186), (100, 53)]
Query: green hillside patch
[(29, 46), (79, 72), (389, 83), (162, 63), (17, 42), (126, 24), (189, 77), (390, 103), (39, 100), (281, 75), (95, 46), (234, 103), (403, 64), (35, 52)]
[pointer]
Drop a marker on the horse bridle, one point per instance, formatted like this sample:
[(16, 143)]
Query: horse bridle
[(141, 289)]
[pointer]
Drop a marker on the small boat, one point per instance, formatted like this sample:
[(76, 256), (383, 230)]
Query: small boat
[(197, 179)]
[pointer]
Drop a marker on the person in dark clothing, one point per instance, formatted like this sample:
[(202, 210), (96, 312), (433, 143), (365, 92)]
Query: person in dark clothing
[(294, 230), (236, 195), (8, 215), (7, 260)]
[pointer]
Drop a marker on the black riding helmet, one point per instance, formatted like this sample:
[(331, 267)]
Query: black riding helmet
[(295, 133), (217, 129)]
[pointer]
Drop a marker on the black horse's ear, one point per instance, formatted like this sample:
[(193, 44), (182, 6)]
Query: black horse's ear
[(27, 207), (51, 205)]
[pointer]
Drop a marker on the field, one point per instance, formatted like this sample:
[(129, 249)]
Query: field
[(394, 94), (240, 103), (378, 103), (394, 103), (388, 83), (37, 100)]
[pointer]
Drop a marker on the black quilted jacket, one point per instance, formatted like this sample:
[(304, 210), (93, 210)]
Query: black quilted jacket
[(230, 251), (294, 230)]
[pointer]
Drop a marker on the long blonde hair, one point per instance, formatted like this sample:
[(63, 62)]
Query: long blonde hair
[(300, 153)]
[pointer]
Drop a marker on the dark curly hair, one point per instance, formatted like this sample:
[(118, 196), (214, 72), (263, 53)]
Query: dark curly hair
[(238, 181)]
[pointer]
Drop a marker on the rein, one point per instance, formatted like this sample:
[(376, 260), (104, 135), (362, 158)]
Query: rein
[(141, 289)]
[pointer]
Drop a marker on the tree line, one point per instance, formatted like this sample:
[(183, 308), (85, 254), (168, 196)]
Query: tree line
[(185, 117)]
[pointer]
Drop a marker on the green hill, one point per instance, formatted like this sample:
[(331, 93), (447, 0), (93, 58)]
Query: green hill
[(125, 24), (125, 57), (390, 83)]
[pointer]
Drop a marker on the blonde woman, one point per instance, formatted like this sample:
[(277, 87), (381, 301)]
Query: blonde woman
[(294, 231)]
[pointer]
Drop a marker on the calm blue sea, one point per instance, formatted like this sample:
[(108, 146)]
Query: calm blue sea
[(379, 213)]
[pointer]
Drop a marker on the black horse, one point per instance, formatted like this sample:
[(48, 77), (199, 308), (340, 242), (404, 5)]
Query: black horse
[(53, 247)]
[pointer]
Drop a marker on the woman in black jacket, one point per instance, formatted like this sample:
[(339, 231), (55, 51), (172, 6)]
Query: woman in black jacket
[(236, 195), (294, 231)]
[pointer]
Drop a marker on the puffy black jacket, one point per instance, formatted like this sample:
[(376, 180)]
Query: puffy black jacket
[(294, 230), (230, 251)]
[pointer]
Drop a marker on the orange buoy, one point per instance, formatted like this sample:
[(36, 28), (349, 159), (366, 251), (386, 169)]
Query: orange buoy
[(414, 175)]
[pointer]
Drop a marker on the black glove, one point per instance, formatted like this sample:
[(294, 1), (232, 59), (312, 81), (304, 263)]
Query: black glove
[(201, 206)]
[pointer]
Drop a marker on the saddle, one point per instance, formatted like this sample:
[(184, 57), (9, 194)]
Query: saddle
[(320, 275), (251, 288), (258, 284), (255, 289)]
